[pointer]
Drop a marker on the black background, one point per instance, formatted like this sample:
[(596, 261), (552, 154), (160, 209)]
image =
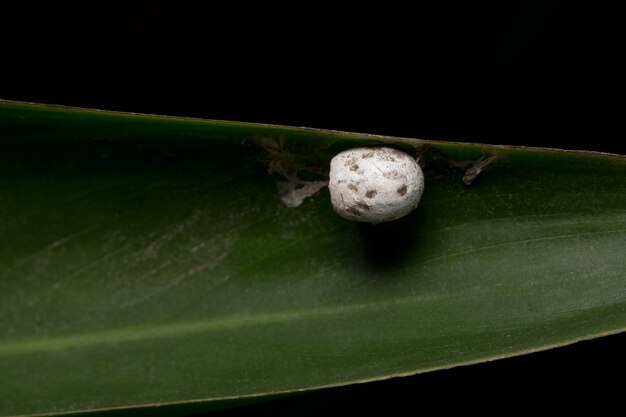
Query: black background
[(535, 73)]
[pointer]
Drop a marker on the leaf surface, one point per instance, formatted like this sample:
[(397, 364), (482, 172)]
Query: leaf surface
[(150, 261)]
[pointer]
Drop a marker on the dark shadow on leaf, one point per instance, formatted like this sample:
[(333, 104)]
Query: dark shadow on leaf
[(390, 245)]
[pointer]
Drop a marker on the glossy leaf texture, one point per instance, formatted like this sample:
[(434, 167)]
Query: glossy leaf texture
[(149, 261)]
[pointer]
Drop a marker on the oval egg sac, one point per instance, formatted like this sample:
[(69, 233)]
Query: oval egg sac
[(375, 184)]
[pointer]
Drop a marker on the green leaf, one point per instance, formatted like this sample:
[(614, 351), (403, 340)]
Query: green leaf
[(150, 261)]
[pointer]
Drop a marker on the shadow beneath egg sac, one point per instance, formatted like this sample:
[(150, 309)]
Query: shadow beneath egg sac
[(391, 245)]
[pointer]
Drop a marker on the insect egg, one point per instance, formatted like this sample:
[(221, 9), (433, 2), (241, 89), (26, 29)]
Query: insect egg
[(375, 184)]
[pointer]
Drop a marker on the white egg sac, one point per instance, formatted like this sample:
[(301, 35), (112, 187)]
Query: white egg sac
[(375, 185)]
